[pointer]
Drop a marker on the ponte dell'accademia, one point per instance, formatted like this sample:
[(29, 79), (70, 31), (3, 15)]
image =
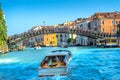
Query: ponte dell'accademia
[(94, 35)]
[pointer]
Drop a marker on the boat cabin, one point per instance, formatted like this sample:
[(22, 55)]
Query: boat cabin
[(56, 59)]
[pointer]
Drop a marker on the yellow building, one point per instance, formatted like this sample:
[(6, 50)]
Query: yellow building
[(50, 40)]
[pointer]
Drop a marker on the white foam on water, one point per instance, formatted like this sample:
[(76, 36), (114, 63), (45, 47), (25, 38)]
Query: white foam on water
[(11, 60)]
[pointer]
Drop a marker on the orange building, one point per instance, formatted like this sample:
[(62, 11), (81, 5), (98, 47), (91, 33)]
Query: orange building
[(105, 22), (50, 39)]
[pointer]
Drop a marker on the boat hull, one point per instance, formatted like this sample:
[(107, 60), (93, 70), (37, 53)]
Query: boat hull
[(62, 71)]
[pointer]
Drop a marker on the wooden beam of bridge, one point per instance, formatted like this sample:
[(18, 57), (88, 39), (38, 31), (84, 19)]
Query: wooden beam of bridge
[(81, 32)]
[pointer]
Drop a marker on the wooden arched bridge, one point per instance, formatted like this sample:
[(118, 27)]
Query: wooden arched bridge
[(87, 33)]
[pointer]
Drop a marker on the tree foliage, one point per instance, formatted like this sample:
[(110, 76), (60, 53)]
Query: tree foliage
[(3, 28), (71, 40)]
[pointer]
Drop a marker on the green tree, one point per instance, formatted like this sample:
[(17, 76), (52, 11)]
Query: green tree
[(71, 40), (3, 29)]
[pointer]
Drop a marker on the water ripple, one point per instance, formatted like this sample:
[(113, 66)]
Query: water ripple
[(87, 64)]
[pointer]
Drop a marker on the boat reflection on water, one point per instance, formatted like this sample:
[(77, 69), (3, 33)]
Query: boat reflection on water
[(56, 63)]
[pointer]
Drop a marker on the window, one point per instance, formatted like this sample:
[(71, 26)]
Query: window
[(105, 15), (114, 40), (102, 29), (116, 22), (57, 36), (112, 22), (96, 24), (41, 39), (61, 35), (95, 29), (51, 42), (80, 25), (102, 21), (65, 35), (113, 30), (61, 40), (107, 40)]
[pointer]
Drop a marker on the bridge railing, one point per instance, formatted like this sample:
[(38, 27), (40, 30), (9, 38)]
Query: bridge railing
[(87, 33)]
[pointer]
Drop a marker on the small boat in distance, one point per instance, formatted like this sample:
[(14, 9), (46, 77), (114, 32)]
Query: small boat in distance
[(64, 45), (37, 47), (56, 63)]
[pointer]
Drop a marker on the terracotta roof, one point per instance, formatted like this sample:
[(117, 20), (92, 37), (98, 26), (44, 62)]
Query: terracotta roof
[(106, 15), (60, 24)]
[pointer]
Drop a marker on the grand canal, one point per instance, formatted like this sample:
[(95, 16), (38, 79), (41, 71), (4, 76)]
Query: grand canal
[(87, 64)]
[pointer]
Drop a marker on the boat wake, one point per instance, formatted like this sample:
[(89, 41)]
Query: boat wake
[(5, 61)]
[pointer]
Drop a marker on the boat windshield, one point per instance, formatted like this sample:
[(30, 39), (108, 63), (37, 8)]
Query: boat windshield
[(53, 61)]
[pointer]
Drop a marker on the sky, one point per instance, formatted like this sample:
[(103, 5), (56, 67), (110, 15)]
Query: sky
[(22, 15)]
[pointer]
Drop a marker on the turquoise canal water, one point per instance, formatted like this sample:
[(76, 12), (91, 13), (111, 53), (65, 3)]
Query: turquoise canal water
[(87, 64)]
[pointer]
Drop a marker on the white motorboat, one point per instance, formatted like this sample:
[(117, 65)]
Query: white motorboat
[(64, 45), (56, 63)]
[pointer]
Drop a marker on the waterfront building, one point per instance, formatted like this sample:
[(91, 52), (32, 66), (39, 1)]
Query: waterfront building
[(32, 41), (39, 40), (83, 40), (78, 20), (62, 39), (94, 25), (35, 28), (71, 25), (106, 22), (50, 39)]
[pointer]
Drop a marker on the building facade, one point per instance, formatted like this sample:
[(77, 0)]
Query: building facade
[(106, 22), (50, 40), (62, 39), (83, 40)]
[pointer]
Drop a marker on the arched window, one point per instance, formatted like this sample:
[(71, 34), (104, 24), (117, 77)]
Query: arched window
[(102, 21), (113, 22)]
